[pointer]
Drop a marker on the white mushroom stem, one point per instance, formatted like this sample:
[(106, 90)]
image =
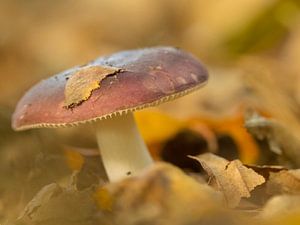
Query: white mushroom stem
[(122, 148)]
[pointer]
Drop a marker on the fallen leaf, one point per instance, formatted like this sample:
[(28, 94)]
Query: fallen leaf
[(279, 180), (42, 197), (55, 205), (232, 126), (261, 195), (104, 199), (156, 126), (232, 178), (83, 82), (265, 170), (74, 159), (281, 140), (284, 182), (162, 194)]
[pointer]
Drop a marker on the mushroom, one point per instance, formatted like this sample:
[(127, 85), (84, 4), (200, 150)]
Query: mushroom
[(107, 91)]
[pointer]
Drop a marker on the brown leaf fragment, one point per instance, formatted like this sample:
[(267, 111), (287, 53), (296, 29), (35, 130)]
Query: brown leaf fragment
[(284, 182), (265, 170), (83, 82), (232, 178)]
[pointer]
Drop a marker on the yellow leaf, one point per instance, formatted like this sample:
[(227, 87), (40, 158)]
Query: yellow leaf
[(81, 84), (104, 199), (74, 159), (155, 126), (233, 126)]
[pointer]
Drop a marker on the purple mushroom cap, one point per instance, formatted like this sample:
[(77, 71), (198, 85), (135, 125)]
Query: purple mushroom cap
[(147, 77)]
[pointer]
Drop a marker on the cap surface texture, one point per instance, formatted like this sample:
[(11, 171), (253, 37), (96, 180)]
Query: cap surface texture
[(146, 77)]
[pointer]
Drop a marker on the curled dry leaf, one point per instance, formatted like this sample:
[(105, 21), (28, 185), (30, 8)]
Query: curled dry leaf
[(281, 140), (266, 170), (284, 182), (81, 83), (232, 178), (279, 180), (161, 195)]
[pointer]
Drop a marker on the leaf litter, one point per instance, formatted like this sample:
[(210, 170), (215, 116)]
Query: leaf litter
[(164, 193), (232, 178)]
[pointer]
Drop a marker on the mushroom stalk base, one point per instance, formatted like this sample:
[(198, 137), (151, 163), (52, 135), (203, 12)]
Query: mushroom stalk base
[(122, 148)]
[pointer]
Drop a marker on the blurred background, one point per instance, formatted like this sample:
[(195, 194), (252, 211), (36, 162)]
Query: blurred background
[(251, 48)]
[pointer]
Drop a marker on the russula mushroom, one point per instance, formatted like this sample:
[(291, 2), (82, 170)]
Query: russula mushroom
[(106, 91)]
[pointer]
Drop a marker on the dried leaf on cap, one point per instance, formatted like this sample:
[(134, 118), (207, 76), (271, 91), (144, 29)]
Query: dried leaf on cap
[(81, 84)]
